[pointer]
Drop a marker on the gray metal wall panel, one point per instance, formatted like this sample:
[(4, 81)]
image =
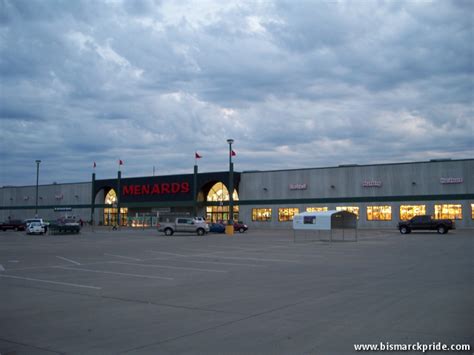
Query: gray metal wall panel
[(397, 180)]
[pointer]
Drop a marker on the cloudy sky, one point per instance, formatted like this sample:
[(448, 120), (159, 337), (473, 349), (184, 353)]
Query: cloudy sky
[(295, 83)]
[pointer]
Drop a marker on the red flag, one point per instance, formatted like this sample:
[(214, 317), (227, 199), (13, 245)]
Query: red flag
[(120, 162), (232, 153), (95, 165), (197, 156)]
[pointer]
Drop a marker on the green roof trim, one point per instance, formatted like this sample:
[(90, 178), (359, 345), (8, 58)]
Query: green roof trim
[(455, 197)]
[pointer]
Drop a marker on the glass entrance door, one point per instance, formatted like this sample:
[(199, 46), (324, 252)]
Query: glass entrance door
[(111, 213), (219, 193)]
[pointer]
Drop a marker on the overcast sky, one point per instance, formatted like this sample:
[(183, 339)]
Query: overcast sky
[(296, 84)]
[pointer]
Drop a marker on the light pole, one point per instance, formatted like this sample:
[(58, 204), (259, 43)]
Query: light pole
[(37, 180), (231, 189)]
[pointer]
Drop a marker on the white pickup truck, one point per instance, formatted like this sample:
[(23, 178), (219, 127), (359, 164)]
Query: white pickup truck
[(184, 225)]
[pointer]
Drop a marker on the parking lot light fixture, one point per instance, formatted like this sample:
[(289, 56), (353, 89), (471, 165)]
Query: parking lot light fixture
[(37, 181), (231, 184)]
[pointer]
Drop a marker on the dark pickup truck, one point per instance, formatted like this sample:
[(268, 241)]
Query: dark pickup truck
[(14, 224), (65, 225), (426, 222)]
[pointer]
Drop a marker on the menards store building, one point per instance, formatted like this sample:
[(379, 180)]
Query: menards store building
[(380, 195)]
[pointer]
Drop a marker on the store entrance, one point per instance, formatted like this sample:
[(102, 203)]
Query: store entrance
[(111, 213), (219, 193)]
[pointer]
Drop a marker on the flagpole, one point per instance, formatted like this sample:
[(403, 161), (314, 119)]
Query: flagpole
[(230, 225), (119, 176), (196, 155), (195, 190)]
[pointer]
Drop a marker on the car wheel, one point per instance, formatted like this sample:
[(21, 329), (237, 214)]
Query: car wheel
[(241, 230), (442, 230), (168, 232), (200, 231), (16, 229), (404, 230)]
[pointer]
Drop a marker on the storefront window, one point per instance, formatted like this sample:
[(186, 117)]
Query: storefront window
[(316, 209), (409, 211), (379, 213), (448, 211), (219, 193), (143, 220), (110, 213), (353, 209), (286, 214), (261, 214)]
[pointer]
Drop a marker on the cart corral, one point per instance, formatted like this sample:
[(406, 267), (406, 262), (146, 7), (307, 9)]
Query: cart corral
[(325, 226)]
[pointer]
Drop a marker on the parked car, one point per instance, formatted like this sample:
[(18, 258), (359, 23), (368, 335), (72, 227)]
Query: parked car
[(39, 220), (426, 222), (35, 228), (240, 227), (14, 224), (185, 225), (216, 228)]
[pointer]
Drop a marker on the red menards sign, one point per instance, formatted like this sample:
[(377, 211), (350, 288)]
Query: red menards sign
[(156, 189)]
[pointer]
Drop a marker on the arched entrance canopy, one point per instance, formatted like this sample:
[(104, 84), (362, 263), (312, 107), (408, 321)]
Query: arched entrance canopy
[(220, 194), (111, 211)]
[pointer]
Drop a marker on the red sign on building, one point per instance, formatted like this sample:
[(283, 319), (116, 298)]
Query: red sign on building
[(155, 189)]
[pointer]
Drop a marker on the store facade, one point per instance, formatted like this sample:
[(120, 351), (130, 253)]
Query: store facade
[(380, 195), (144, 200)]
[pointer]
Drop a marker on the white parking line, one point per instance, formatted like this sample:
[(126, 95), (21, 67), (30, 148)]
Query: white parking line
[(221, 263), (66, 259), (212, 255), (277, 253), (168, 267), (53, 266), (239, 258), (260, 252), (163, 252), (124, 257), (227, 250), (51, 282), (2, 268), (114, 273)]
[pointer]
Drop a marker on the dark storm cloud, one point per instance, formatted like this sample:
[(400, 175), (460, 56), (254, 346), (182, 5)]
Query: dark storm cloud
[(296, 84)]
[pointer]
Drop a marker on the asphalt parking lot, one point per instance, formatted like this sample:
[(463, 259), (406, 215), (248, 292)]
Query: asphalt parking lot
[(138, 292)]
